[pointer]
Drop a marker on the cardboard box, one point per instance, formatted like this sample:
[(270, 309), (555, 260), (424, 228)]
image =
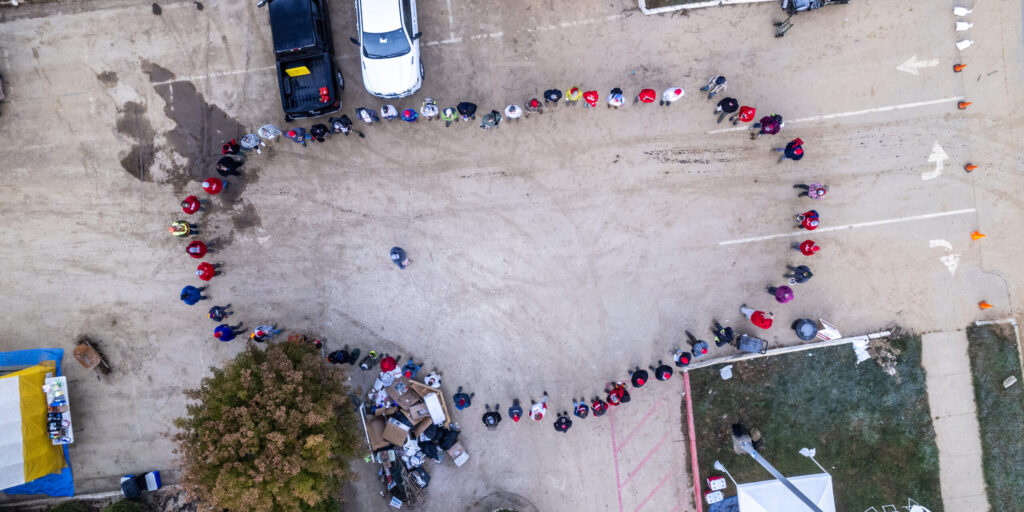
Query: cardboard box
[(435, 407), (422, 427), (405, 399), (440, 418), (418, 413), (395, 432), (385, 411), (375, 429), (458, 454)]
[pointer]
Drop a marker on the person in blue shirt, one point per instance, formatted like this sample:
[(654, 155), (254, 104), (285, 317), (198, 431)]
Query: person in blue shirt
[(225, 332), (191, 295)]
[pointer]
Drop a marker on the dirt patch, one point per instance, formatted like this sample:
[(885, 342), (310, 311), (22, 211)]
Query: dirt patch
[(133, 123), (245, 218), (107, 78)]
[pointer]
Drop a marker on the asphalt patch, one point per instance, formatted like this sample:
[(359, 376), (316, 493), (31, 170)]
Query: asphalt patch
[(133, 123)]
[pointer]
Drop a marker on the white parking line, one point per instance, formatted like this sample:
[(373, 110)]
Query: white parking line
[(494, 35), (850, 226), (887, 108), (214, 75)]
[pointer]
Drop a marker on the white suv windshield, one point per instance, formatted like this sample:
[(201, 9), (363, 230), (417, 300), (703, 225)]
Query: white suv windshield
[(386, 45)]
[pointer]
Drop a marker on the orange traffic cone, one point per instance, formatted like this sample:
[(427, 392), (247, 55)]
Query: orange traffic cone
[(984, 305), (970, 167), (963, 105), (977, 235), (959, 67)]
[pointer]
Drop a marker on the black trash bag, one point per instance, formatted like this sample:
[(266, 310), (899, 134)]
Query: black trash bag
[(448, 439), (431, 433)]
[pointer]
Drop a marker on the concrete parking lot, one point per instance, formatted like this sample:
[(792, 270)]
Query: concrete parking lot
[(551, 254)]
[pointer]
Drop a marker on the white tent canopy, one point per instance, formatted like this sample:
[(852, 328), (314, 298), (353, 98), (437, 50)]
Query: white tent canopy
[(772, 496)]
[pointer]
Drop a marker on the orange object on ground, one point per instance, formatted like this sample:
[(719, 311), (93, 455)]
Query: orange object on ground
[(970, 167), (977, 235), (984, 305), (963, 105), (959, 67)]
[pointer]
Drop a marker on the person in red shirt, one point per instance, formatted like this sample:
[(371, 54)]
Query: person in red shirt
[(207, 270), (758, 318), (598, 406), (808, 220), (646, 96), (197, 249), (214, 185), (745, 115), (191, 204), (230, 147), (807, 247), (389, 363), (590, 98)]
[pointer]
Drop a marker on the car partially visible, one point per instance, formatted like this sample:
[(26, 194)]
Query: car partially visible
[(389, 47)]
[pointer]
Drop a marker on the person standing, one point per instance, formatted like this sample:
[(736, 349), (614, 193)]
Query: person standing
[(388, 363), (191, 205), (225, 332), (646, 96), (580, 409), (219, 313), (617, 393), (250, 142), (813, 191), (794, 150), (599, 406), (798, 274), (725, 107), (318, 132), (807, 247), (388, 112), (228, 166), (807, 220), (366, 115), (723, 335), (662, 371), (264, 333), (297, 135), (563, 423), (638, 377), (538, 409), (513, 112), (552, 96), (191, 295), (410, 369), (768, 125), (197, 249), (698, 347), (572, 96), (409, 115), (491, 418), (745, 115), (182, 229), (230, 148), (671, 95), (467, 110), (207, 271), (516, 411), (429, 109), (590, 99), (534, 106), (462, 400), (758, 318), (214, 186), (448, 115), (716, 84), (399, 257), (681, 358), (615, 98), (490, 120), (782, 294), (343, 356)]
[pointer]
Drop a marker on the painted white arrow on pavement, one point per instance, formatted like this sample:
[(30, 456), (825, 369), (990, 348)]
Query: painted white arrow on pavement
[(949, 260), (914, 66), (937, 156)]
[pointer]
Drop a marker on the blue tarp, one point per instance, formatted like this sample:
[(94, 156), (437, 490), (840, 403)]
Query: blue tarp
[(57, 484), (730, 504)]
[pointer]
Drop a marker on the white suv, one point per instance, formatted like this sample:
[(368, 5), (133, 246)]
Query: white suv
[(389, 47)]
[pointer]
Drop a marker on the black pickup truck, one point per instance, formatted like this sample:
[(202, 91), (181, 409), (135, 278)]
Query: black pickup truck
[(310, 83)]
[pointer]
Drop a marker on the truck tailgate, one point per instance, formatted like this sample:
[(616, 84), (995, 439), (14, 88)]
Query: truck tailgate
[(301, 80)]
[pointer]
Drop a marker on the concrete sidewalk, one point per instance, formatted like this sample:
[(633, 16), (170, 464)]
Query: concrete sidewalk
[(951, 399)]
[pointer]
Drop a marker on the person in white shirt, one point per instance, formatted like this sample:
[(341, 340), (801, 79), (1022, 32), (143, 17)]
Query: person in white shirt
[(513, 112), (670, 95), (615, 99), (429, 110), (388, 112), (538, 409)]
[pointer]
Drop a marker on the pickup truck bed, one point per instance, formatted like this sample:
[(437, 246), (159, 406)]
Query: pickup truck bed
[(300, 91)]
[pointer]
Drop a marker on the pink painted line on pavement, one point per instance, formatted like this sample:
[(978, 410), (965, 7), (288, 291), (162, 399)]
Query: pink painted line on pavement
[(656, 487), (693, 442), (615, 456), (646, 417), (631, 474), (676, 509)]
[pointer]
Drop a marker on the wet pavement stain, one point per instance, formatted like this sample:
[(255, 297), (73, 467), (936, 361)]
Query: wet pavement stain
[(107, 78), (200, 130), (132, 122)]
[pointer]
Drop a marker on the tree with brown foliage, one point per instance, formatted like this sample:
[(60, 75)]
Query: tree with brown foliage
[(270, 431)]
